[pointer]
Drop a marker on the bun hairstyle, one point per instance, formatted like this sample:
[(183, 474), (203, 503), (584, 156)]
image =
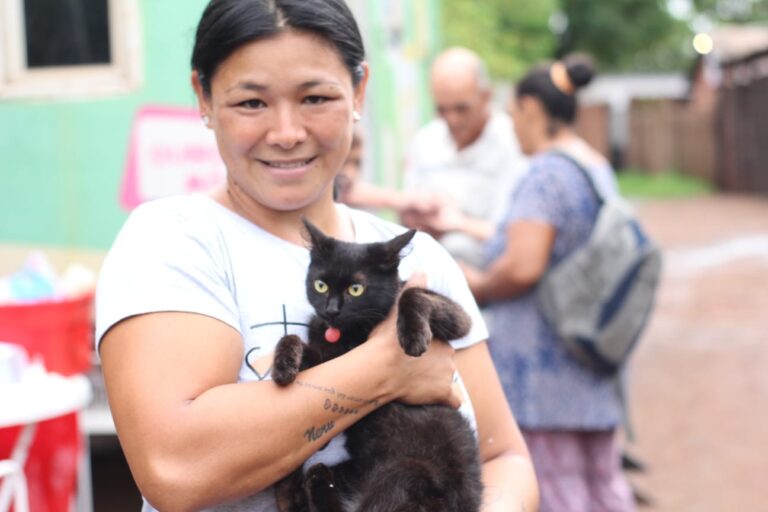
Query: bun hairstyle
[(556, 84), (226, 25)]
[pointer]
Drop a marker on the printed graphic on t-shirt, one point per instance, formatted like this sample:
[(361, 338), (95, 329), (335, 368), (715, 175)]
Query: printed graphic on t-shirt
[(262, 336)]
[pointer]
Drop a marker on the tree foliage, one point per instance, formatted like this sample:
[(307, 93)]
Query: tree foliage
[(733, 11), (509, 35), (639, 35)]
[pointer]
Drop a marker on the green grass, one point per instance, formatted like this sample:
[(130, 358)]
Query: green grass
[(668, 184)]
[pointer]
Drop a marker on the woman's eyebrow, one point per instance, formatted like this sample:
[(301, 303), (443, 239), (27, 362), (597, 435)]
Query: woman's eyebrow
[(257, 87), (248, 86)]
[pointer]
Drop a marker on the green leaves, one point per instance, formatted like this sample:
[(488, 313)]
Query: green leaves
[(509, 34)]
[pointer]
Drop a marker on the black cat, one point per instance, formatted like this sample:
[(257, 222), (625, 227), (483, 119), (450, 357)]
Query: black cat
[(403, 458)]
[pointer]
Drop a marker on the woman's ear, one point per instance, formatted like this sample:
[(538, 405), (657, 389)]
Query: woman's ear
[(527, 106), (203, 100), (360, 88)]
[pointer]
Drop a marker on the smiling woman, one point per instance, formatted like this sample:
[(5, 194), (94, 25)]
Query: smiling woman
[(282, 110), (197, 290)]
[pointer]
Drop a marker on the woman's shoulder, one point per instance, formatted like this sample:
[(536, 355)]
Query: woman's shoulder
[(172, 208), (169, 224)]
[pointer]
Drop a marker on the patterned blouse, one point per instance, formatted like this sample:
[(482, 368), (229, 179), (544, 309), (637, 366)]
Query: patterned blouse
[(545, 386)]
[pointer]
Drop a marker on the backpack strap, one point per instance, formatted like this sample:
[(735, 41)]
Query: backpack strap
[(588, 175), (618, 378)]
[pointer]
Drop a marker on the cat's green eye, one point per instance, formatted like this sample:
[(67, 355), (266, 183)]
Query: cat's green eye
[(321, 287), (356, 290)]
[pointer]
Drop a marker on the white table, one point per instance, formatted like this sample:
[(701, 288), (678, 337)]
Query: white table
[(37, 397)]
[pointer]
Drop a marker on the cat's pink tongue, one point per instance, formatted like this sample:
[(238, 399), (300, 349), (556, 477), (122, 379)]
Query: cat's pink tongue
[(332, 335)]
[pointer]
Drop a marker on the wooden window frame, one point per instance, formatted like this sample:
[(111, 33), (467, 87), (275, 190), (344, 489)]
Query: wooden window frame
[(122, 75)]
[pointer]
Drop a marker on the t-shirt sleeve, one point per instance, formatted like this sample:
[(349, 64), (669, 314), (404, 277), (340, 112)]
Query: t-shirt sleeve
[(164, 259), (540, 195), (444, 276)]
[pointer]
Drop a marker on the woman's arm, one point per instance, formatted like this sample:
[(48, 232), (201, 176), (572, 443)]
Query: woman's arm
[(194, 437), (520, 266), (508, 475)]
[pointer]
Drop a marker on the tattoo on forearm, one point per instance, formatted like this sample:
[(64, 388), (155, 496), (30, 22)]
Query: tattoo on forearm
[(337, 394), (328, 405), (315, 433)]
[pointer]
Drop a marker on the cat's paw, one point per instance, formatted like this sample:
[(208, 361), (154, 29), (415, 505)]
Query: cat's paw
[(320, 489), (287, 362), (413, 329)]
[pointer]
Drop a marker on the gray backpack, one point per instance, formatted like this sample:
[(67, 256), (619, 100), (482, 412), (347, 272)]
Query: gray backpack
[(599, 297)]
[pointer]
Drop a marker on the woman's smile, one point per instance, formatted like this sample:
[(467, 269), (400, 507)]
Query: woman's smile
[(290, 169)]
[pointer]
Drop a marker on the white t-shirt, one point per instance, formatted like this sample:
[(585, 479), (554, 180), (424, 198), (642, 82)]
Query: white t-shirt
[(479, 177), (191, 254)]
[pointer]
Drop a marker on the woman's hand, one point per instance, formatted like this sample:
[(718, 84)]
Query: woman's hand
[(426, 379)]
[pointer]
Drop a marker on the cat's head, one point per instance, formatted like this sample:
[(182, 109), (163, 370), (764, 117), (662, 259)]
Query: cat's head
[(353, 285)]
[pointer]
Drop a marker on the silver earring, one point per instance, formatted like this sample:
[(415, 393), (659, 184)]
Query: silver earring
[(206, 120), (356, 115)]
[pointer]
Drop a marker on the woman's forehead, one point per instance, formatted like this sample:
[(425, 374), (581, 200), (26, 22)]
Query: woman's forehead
[(299, 58)]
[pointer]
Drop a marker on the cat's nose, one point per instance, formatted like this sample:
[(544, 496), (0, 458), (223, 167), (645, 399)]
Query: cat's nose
[(332, 308)]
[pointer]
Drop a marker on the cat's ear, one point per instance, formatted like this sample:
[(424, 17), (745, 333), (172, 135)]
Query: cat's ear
[(316, 238), (387, 254)]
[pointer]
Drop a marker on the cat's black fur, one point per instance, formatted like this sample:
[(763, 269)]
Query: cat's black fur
[(403, 458)]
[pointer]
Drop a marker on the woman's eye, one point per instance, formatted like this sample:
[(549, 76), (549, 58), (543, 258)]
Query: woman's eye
[(252, 104), (315, 100), (321, 287), (356, 290)]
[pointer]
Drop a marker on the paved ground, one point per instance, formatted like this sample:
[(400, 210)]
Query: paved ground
[(699, 379)]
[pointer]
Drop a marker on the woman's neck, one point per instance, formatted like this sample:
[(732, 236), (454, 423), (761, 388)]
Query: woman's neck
[(288, 225), (564, 137)]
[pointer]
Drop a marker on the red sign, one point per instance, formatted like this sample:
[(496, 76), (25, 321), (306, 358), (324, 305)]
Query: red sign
[(171, 152)]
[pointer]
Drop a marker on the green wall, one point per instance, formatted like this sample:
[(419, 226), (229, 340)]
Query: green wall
[(61, 162)]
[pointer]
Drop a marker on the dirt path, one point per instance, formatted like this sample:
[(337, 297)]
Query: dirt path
[(699, 379)]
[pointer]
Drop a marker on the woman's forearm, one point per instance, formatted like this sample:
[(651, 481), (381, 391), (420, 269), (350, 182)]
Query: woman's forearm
[(509, 485), (236, 439), (500, 281), (519, 267)]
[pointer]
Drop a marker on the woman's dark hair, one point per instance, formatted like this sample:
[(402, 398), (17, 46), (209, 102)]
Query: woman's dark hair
[(226, 25), (558, 99)]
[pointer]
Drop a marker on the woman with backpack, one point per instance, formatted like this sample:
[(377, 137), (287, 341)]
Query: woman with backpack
[(569, 413)]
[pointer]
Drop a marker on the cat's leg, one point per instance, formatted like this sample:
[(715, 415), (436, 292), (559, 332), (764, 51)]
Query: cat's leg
[(423, 314), (413, 329), (320, 489), (291, 356), (447, 319), (289, 493)]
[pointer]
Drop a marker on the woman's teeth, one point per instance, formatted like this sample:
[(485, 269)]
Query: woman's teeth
[(289, 165)]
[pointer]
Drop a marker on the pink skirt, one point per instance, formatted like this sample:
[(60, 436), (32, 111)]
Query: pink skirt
[(579, 471)]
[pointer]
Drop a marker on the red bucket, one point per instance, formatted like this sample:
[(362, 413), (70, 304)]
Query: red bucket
[(59, 331)]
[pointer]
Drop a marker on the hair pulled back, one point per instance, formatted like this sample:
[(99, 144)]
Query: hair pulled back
[(559, 102), (226, 25)]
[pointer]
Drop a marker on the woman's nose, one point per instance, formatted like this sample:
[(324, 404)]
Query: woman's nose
[(286, 129)]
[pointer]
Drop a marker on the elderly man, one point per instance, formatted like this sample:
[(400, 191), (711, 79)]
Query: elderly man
[(464, 163)]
